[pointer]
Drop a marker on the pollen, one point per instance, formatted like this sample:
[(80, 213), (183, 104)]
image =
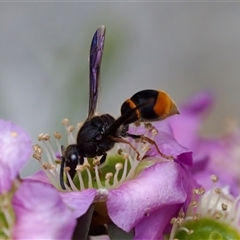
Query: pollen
[(119, 166), (108, 176), (57, 135), (224, 207), (194, 203), (80, 168), (214, 178), (70, 128), (65, 121)]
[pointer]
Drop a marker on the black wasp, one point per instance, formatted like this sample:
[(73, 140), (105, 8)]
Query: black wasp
[(99, 133)]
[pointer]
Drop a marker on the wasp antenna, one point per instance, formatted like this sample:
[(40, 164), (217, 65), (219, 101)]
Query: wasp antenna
[(62, 168)]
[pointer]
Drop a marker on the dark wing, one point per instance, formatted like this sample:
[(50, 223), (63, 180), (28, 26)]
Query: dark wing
[(96, 51)]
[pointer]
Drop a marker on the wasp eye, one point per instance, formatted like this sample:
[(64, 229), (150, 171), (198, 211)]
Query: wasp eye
[(73, 157)]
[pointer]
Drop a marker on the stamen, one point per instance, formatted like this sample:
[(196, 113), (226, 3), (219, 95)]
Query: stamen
[(214, 178), (194, 203), (65, 122), (218, 191), (118, 167), (99, 184), (232, 214), (57, 137), (108, 177), (42, 138), (79, 170), (224, 207), (89, 179), (205, 209), (126, 157), (72, 185), (199, 191), (186, 230), (218, 215), (69, 129)]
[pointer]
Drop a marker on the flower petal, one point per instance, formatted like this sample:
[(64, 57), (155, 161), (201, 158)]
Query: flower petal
[(156, 187), (152, 227), (79, 201), (39, 176), (15, 150), (40, 213), (170, 147), (199, 103)]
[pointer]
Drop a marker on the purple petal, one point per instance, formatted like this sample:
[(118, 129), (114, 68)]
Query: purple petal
[(152, 227), (79, 201), (15, 150), (158, 186), (185, 129), (170, 147), (199, 103), (39, 176), (40, 213)]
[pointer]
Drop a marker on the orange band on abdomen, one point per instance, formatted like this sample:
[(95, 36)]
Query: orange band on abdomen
[(131, 104)]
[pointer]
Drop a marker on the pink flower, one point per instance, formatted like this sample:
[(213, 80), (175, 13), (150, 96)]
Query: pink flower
[(27, 208), (15, 150), (211, 155), (40, 213), (141, 194)]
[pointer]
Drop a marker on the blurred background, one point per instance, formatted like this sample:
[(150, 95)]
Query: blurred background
[(181, 48)]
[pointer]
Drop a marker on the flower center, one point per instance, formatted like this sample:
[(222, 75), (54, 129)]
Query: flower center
[(123, 162), (214, 214)]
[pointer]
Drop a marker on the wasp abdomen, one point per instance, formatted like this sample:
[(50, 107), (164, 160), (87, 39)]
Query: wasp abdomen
[(150, 105)]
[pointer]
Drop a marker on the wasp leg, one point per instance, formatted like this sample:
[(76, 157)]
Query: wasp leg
[(152, 142), (121, 140)]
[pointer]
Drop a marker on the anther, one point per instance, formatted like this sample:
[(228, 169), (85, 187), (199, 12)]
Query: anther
[(214, 178), (37, 156), (148, 126), (118, 166), (137, 123), (40, 136), (108, 176), (96, 162), (57, 161), (79, 168), (181, 214), (218, 215), (224, 207), (119, 151), (86, 165), (194, 203), (57, 135), (218, 190), (154, 131), (65, 121), (67, 169), (70, 128), (46, 137)]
